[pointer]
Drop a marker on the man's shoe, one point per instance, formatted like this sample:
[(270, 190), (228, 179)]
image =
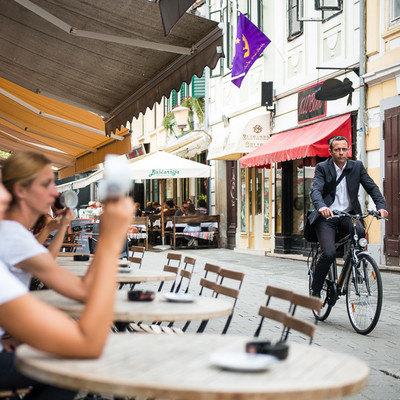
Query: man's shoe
[(316, 294)]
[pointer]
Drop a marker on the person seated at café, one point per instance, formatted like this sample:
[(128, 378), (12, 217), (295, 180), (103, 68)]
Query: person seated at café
[(157, 207), (28, 320), (29, 178), (138, 210), (53, 224), (201, 207), (149, 209), (169, 207), (192, 226), (181, 211)]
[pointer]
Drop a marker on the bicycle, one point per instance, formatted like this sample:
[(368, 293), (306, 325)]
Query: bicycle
[(360, 279)]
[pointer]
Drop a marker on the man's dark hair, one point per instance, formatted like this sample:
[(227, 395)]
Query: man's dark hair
[(335, 139), (170, 203)]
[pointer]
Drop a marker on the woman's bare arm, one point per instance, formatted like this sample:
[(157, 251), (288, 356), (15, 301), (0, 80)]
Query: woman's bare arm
[(48, 329)]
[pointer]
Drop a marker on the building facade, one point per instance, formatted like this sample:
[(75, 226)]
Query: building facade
[(382, 78)]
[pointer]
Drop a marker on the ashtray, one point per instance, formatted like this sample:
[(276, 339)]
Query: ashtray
[(279, 350), (141, 295), (81, 257)]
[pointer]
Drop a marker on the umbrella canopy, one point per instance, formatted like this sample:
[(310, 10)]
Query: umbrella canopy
[(162, 165)]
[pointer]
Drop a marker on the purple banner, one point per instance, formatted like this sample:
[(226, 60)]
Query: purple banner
[(250, 43)]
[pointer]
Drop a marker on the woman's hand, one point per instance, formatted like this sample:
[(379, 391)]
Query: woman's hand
[(65, 216), (116, 219)]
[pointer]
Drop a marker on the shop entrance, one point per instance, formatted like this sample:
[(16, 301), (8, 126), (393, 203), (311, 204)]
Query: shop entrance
[(391, 185), (293, 180), (231, 201)]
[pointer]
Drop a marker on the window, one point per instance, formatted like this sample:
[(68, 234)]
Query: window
[(295, 27), (218, 70), (394, 12)]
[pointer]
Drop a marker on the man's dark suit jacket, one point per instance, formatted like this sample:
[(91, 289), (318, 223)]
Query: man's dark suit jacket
[(323, 189)]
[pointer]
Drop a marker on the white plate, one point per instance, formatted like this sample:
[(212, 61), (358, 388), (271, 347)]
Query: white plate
[(243, 361), (180, 297)]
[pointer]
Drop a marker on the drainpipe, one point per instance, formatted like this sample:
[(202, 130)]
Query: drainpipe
[(361, 150)]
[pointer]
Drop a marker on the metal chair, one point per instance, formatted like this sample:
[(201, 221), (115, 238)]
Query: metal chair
[(287, 321), (137, 255), (220, 288), (206, 283), (186, 273), (176, 259)]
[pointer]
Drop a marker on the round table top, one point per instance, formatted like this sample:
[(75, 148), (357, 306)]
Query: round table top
[(159, 309), (79, 268), (176, 366)]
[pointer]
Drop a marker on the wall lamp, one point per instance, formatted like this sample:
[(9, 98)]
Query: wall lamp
[(181, 116)]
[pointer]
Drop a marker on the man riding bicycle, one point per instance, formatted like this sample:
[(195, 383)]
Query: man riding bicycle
[(335, 187)]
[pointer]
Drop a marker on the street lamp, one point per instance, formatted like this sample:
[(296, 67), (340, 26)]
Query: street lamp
[(181, 116)]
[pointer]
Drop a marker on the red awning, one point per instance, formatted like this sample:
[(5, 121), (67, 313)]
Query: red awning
[(307, 141)]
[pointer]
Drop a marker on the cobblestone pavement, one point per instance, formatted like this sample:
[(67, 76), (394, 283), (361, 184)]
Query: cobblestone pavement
[(380, 349)]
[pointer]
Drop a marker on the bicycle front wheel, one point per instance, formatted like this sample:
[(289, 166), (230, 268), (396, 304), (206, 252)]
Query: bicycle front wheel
[(364, 295)]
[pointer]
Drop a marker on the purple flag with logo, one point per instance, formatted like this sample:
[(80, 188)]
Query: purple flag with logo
[(250, 43)]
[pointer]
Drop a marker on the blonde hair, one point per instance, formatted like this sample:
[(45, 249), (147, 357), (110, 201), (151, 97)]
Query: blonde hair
[(23, 167)]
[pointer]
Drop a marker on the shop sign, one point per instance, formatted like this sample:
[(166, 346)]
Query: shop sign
[(136, 152), (308, 107)]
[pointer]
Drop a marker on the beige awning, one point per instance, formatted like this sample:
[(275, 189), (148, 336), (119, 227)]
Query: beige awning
[(74, 139), (109, 57), (240, 137)]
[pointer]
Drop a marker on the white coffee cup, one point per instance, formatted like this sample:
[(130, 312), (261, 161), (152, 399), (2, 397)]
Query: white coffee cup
[(69, 199)]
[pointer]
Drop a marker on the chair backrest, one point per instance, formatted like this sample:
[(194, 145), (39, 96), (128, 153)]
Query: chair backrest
[(173, 263), (220, 288), (186, 273), (206, 282), (137, 255), (304, 327), (286, 318)]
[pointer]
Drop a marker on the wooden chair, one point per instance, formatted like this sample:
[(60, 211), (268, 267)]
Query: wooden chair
[(221, 289), (173, 263), (287, 321), (271, 313), (137, 255), (186, 273), (206, 283)]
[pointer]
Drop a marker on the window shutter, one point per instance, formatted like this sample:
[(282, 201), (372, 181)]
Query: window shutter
[(199, 86), (174, 98), (182, 92)]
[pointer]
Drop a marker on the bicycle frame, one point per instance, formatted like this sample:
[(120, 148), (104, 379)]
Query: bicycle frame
[(339, 283)]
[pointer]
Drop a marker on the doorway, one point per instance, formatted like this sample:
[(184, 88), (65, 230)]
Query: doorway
[(391, 185), (231, 201)]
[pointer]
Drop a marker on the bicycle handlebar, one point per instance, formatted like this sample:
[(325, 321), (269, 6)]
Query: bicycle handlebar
[(374, 213)]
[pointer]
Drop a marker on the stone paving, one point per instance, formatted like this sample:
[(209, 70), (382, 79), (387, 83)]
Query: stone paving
[(380, 349)]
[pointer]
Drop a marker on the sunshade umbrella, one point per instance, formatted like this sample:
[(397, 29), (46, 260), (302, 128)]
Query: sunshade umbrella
[(162, 165)]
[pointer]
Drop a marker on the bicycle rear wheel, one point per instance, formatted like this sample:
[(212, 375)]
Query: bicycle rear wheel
[(323, 314), (364, 295)]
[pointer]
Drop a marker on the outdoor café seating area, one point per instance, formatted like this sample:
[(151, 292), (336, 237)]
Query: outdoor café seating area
[(168, 334), (146, 231)]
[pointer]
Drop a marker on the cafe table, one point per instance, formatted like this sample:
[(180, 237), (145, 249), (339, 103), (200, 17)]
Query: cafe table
[(160, 309), (127, 276), (181, 367)]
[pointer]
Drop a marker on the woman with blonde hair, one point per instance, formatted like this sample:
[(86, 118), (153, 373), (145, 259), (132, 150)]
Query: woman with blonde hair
[(40, 325), (29, 178)]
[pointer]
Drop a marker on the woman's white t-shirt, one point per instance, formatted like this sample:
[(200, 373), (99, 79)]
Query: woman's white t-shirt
[(10, 289), (18, 244)]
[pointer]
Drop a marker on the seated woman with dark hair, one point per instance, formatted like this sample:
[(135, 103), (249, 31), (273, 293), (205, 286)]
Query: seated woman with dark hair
[(201, 207)]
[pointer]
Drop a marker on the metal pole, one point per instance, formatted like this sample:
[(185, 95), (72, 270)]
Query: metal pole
[(361, 150)]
